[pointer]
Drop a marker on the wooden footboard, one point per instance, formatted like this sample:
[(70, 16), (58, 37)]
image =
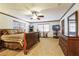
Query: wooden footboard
[(30, 40)]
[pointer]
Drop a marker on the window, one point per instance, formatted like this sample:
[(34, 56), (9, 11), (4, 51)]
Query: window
[(43, 27), (46, 28), (62, 27), (72, 25), (40, 28), (19, 25), (16, 25)]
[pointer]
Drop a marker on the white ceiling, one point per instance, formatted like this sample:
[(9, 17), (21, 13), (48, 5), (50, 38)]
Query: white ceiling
[(51, 11)]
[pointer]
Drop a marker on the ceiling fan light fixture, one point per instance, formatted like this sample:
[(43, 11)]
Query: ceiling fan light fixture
[(34, 16)]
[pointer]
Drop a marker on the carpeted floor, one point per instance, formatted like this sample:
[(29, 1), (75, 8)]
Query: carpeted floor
[(46, 47)]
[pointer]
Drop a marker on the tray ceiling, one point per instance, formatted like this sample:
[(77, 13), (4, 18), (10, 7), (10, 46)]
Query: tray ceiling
[(51, 11)]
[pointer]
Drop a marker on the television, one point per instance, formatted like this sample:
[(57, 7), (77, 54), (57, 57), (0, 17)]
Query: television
[(56, 27), (31, 28)]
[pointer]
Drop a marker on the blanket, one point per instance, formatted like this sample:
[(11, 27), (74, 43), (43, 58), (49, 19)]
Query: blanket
[(14, 38)]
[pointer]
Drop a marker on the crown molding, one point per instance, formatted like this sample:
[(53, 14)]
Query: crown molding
[(67, 11), (12, 16)]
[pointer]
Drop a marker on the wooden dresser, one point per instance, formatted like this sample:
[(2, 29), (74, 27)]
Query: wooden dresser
[(69, 45), (63, 44)]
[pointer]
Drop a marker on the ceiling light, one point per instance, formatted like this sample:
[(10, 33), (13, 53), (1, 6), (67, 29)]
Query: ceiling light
[(34, 16)]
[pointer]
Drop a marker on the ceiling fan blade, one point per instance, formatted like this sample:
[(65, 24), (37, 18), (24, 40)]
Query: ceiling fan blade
[(38, 18), (41, 16)]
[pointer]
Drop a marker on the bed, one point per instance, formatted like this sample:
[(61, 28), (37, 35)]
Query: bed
[(13, 41), (19, 40), (12, 38)]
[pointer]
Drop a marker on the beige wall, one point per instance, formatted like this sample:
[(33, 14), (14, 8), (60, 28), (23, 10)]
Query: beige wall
[(5, 22)]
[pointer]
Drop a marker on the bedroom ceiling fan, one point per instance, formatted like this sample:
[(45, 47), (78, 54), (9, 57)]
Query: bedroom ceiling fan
[(35, 14)]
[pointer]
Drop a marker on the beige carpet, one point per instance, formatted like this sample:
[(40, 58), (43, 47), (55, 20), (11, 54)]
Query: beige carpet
[(46, 47)]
